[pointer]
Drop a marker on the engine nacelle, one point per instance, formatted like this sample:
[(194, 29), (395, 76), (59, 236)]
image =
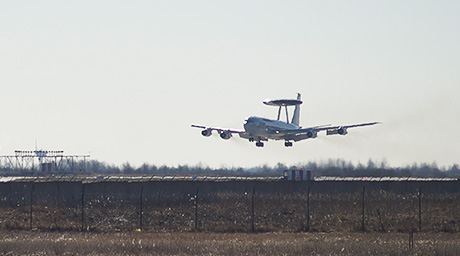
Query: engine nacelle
[(206, 132), (307, 135), (311, 134), (225, 135), (340, 131)]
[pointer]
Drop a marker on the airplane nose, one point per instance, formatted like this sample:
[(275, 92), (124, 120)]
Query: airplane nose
[(249, 120)]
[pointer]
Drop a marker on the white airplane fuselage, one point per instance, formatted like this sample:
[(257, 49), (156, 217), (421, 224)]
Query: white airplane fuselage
[(259, 128)]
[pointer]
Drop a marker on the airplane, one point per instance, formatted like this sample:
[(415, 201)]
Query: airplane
[(258, 129)]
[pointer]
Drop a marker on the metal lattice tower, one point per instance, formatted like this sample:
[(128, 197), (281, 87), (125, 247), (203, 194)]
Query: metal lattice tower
[(43, 160)]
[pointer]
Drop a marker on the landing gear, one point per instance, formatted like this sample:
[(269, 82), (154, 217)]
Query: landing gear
[(288, 144), (259, 144)]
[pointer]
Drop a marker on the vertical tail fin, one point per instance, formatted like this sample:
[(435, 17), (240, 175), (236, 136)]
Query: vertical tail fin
[(296, 117)]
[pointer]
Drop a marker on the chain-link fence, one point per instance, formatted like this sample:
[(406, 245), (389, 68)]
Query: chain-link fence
[(229, 206)]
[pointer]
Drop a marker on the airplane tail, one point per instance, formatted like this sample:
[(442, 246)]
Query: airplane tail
[(296, 117)]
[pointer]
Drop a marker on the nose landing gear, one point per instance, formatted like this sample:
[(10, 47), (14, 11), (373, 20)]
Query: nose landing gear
[(288, 144), (259, 144)]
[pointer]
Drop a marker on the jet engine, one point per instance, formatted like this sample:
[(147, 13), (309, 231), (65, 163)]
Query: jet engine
[(341, 131), (206, 132), (225, 135), (308, 135), (312, 134)]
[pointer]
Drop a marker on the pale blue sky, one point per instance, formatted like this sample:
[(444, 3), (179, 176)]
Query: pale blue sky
[(124, 80)]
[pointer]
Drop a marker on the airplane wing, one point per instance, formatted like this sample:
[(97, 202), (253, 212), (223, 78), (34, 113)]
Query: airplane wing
[(329, 127), (218, 129), (311, 132), (343, 126), (224, 133)]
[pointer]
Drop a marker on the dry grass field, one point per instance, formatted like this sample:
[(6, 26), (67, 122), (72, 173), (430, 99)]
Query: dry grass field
[(198, 243), (230, 223), (232, 212)]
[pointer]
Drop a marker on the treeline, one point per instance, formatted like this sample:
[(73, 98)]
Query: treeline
[(331, 167)]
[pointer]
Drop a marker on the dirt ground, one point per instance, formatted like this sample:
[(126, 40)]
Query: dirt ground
[(195, 243)]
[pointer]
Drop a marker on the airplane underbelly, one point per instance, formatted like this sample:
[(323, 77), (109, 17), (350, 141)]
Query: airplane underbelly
[(261, 132), (255, 130)]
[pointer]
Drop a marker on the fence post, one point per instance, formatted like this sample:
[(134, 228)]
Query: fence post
[(196, 208), (420, 209), (9, 195), (140, 208), (31, 206), (308, 209), (252, 210), (411, 241), (83, 206), (363, 228)]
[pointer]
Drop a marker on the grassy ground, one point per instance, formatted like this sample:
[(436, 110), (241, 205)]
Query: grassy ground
[(139, 243), (224, 222), (230, 212)]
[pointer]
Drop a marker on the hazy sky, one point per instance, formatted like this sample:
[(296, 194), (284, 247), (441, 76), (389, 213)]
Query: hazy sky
[(123, 80)]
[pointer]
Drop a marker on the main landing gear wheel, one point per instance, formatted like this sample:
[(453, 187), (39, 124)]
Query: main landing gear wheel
[(288, 144), (259, 144)]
